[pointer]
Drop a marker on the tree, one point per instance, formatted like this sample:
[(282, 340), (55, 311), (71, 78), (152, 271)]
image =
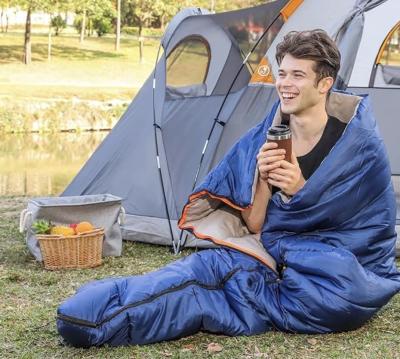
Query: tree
[(118, 26), (143, 12), (165, 10), (58, 24), (224, 5), (93, 12), (4, 5), (29, 6), (54, 8)]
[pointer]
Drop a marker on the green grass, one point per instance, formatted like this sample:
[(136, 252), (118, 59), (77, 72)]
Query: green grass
[(29, 296), (46, 95), (93, 68)]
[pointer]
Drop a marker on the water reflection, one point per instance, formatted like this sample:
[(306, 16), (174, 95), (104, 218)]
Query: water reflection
[(43, 164)]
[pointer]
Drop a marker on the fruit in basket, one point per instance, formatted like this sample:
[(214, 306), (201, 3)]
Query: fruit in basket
[(41, 226), (62, 230), (83, 227)]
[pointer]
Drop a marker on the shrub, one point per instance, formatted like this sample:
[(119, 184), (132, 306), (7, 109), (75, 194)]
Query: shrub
[(102, 25), (78, 23), (58, 23)]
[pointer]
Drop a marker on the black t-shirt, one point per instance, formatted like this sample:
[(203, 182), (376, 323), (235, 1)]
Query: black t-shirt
[(311, 161)]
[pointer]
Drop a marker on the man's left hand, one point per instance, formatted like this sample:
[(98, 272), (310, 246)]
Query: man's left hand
[(287, 177)]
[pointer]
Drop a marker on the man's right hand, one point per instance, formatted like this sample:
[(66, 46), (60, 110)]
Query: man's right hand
[(269, 157)]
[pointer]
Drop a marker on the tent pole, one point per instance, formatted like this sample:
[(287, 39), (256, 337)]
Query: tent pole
[(156, 126)]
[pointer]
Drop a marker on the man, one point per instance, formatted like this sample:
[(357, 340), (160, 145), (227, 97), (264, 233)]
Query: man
[(308, 66), (321, 262)]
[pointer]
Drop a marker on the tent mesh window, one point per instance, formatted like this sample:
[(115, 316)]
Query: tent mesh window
[(264, 44), (391, 48), (188, 62), (388, 60), (247, 26)]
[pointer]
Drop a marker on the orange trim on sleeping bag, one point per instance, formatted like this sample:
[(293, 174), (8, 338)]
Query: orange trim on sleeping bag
[(212, 239)]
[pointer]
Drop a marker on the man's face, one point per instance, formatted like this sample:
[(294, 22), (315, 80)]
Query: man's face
[(297, 88)]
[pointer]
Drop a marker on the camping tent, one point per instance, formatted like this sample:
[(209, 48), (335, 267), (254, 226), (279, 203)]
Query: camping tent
[(213, 80)]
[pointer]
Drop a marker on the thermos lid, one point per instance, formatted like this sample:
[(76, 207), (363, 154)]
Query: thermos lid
[(279, 132)]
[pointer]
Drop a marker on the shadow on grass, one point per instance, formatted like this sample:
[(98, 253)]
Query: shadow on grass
[(14, 53)]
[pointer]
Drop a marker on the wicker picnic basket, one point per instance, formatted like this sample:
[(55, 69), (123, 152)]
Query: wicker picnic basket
[(83, 250)]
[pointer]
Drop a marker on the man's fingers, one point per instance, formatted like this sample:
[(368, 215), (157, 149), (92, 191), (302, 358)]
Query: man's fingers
[(273, 166), (269, 153), (274, 173), (275, 183), (278, 177), (287, 165), (268, 146), (294, 158), (267, 160)]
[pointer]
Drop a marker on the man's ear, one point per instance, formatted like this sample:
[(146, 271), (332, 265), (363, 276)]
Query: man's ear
[(325, 85)]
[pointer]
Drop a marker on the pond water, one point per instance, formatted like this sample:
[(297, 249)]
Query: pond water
[(43, 164)]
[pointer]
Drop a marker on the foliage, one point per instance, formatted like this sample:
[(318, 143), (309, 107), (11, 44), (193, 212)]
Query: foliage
[(102, 25), (100, 14), (58, 23), (142, 12), (54, 116), (41, 226), (78, 23)]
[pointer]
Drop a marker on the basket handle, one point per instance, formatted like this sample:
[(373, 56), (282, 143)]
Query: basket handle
[(121, 216), (23, 220)]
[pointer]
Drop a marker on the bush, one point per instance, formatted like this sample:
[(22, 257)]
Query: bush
[(58, 23), (78, 23), (102, 26), (133, 30)]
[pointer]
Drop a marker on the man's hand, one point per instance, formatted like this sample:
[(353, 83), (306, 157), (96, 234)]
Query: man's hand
[(287, 176), (269, 158)]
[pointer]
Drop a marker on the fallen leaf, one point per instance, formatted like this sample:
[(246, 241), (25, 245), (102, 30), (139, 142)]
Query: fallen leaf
[(214, 348), (188, 347), (258, 354), (312, 341)]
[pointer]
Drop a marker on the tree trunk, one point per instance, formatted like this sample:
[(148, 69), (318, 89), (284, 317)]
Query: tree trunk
[(140, 42), (118, 27), (90, 27), (1, 19), (83, 26), (49, 43), (6, 22), (27, 43), (162, 22)]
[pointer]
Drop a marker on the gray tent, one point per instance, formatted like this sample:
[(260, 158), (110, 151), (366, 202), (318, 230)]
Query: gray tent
[(213, 80)]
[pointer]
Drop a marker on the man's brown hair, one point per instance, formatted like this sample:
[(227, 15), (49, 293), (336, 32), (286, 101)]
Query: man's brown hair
[(312, 45)]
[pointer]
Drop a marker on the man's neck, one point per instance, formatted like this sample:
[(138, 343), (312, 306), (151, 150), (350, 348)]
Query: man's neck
[(310, 125)]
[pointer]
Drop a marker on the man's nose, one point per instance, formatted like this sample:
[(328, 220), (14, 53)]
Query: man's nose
[(286, 81)]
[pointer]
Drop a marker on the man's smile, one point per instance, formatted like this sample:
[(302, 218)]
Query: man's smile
[(287, 96)]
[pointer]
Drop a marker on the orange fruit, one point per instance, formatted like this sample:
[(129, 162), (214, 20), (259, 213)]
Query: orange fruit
[(83, 227), (62, 230)]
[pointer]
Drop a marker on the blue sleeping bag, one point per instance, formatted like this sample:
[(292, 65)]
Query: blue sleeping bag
[(324, 262)]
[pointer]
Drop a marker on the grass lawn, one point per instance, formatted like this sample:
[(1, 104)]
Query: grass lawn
[(92, 70), (29, 296)]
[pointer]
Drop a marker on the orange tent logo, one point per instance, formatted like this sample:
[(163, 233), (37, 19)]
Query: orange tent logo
[(263, 70), (263, 73)]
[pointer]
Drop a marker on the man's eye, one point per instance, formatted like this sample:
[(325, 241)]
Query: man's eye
[(281, 75), (298, 76)]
